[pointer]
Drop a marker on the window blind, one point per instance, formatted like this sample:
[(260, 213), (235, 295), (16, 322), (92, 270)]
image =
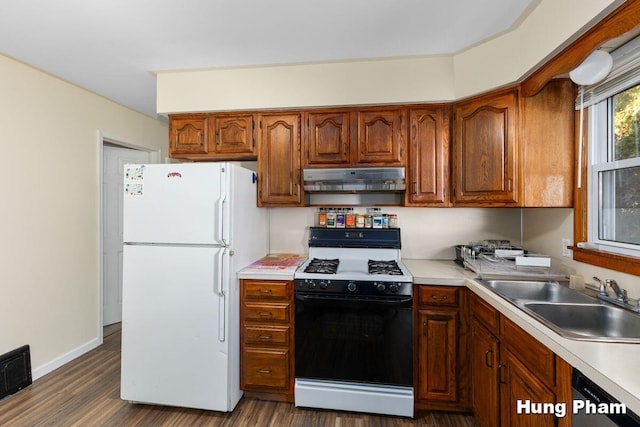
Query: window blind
[(624, 74)]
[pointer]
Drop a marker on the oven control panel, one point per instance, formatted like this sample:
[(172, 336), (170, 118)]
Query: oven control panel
[(353, 287)]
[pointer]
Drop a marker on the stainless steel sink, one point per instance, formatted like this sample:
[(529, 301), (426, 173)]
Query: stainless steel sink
[(537, 291), (570, 313), (592, 322)]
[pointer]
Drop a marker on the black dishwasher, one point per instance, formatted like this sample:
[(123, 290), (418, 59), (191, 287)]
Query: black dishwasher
[(588, 392)]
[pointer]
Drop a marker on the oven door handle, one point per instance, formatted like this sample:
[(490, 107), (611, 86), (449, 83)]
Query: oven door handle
[(352, 299)]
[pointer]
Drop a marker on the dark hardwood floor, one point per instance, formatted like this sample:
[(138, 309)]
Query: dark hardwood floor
[(86, 392)]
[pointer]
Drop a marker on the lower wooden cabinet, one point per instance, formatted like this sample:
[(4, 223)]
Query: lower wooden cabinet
[(440, 329), (484, 363), (509, 365), (266, 341)]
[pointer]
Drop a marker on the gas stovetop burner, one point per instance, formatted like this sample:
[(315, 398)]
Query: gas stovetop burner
[(384, 267), (322, 266)]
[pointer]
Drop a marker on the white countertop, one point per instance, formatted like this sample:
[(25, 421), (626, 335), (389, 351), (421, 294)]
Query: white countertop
[(614, 366), (273, 267)]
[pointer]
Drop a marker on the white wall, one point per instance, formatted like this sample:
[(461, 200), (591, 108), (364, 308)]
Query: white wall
[(544, 230), (427, 233), (497, 62), (49, 221), (324, 84)]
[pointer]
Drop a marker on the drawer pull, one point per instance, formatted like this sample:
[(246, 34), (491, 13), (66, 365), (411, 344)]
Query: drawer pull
[(265, 337), (439, 297), (265, 291), (265, 371), (265, 314)]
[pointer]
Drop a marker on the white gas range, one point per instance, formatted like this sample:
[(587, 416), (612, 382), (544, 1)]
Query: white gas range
[(354, 323)]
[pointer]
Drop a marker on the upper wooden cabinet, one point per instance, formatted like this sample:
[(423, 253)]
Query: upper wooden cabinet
[(498, 149), (428, 165), (188, 135), (380, 138), (219, 136), (327, 139), (548, 135), (279, 171), (363, 137), (515, 151), (234, 134), (486, 150)]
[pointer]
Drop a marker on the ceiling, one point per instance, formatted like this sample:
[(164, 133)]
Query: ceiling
[(115, 47)]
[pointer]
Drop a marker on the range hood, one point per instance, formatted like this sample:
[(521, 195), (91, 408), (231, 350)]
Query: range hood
[(354, 180)]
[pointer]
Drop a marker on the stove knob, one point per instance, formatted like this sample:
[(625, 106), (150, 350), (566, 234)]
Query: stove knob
[(394, 287), (324, 284), (351, 286), (380, 287), (311, 284)]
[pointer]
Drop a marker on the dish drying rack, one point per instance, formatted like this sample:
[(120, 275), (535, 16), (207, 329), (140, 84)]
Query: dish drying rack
[(495, 265)]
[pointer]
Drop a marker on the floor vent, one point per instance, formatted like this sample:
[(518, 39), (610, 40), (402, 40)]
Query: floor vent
[(15, 370)]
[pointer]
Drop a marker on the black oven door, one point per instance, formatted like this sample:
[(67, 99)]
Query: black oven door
[(352, 338)]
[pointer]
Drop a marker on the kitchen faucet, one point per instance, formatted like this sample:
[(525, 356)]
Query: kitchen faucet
[(621, 295)]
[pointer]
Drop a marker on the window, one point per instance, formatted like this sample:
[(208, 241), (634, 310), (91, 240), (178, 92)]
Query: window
[(614, 173)]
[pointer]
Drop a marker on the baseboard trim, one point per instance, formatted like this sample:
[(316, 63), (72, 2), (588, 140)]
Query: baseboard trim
[(51, 366)]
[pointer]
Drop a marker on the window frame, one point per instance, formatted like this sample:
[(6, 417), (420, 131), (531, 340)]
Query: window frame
[(600, 160)]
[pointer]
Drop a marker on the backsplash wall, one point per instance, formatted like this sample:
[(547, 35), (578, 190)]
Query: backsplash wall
[(427, 233)]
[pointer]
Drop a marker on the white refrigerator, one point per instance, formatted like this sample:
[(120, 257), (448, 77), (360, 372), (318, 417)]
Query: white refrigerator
[(188, 229)]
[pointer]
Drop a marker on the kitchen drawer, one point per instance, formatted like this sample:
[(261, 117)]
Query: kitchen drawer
[(254, 334), (485, 313), (438, 295), (265, 368), (268, 312), (266, 289), (533, 354)]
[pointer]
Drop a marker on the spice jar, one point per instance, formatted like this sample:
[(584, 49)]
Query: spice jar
[(350, 218), (331, 219), (393, 221), (340, 219), (322, 218)]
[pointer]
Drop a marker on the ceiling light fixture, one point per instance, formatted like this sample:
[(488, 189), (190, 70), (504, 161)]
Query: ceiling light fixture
[(595, 68)]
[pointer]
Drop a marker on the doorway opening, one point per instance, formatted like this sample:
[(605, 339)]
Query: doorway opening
[(114, 153)]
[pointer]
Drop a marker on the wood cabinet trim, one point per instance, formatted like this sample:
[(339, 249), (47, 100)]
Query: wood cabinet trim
[(621, 20)]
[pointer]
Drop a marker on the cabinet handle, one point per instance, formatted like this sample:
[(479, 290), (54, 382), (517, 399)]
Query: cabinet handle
[(415, 187), (265, 314), (265, 337), (439, 297), (486, 358), (344, 148), (509, 185), (264, 371), (500, 380)]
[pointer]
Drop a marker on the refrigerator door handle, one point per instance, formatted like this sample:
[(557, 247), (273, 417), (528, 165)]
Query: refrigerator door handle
[(222, 222), (218, 287), (222, 279)]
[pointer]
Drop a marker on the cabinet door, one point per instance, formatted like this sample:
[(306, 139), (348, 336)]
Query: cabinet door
[(279, 174), (380, 137), (486, 161), (428, 176), (521, 385), (234, 134), (327, 141), (188, 134), (438, 354), (484, 372), (548, 146)]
